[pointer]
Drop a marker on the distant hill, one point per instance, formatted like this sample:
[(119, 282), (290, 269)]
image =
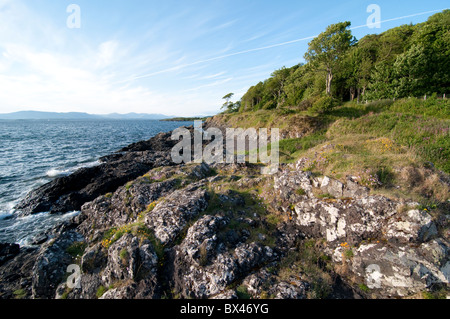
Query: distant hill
[(185, 119), (37, 115), (136, 116)]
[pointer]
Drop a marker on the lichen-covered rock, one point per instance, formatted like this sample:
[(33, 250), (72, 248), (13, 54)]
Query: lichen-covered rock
[(8, 251), (94, 259), (399, 270), (16, 273), (121, 207), (221, 231), (204, 267), (128, 259), (129, 268), (263, 284), (51, 264), (341, 220), (413, 226), (171, 216)]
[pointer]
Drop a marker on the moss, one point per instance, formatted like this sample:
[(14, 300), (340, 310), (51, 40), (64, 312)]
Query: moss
[(348, 253), (309, 260), (364, 288), (438, 294), (19, 294), (76, 249), (101, 291), (242, 292), (124, 255), (203, 259), (273, 219), (128, 185)]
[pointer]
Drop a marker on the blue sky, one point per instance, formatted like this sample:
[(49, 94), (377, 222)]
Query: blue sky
[(171, 57)]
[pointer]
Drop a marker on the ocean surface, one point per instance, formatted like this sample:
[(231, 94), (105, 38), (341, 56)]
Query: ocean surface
[(33, 152)]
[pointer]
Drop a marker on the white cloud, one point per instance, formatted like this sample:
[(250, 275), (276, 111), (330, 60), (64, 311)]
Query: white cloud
[(46, 67), (107, 53)]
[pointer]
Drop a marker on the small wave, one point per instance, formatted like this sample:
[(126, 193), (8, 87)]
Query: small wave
[(23, 230), (57, 172), (6, 215)]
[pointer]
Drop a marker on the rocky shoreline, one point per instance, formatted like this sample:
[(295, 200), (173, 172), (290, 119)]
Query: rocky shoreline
[(151, 229)]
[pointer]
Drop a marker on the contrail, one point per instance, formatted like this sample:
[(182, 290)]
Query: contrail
[(179, 67), (401, 18)]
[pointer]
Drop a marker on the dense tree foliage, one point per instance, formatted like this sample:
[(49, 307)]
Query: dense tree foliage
[(410, 60)]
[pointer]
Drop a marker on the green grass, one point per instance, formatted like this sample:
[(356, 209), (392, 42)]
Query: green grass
[(291, 148), (76, 249), (377, 142), (242, 292), (137, 229), (364, 288), (426, 137), (101, 291), (309, 260), (19, 294), (438, 294)]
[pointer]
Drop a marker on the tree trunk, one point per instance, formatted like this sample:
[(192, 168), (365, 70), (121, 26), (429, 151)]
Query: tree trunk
[(329, 80)]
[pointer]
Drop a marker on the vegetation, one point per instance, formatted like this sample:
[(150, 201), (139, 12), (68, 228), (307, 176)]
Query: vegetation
[(185, 119), (407, 61), (242, 292), (375, 109), (101, 291), (137, 229), (19, 294), (76, 249), (309, 261)]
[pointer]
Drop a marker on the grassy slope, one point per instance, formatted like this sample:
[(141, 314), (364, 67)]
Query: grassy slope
[(400, 148)]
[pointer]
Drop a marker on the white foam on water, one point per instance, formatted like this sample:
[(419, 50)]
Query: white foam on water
[(60, 172), (57, 172), (28, 227), (6, 215)]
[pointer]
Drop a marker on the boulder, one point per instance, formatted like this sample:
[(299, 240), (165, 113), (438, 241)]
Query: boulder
[(391, 271), (51, 264), (8, 251), (171, 216)]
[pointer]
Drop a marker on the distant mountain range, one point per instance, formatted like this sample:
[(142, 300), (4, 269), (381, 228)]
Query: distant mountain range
[(37, 115)]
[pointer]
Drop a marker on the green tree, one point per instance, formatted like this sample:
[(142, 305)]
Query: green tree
[(228, 106), (227, 98), (411, 72), (280, 78), (326, 51)]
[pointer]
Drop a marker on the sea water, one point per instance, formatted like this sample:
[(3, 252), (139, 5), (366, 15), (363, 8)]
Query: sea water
[(34, 152)]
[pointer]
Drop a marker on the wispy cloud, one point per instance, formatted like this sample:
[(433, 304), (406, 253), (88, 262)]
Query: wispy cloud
[(213, 76), (181, 61), (216, 83)]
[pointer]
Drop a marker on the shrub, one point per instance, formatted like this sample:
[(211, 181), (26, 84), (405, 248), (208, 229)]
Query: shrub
[(323, 105), (305, 104), (269, 105), (76, 249)]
